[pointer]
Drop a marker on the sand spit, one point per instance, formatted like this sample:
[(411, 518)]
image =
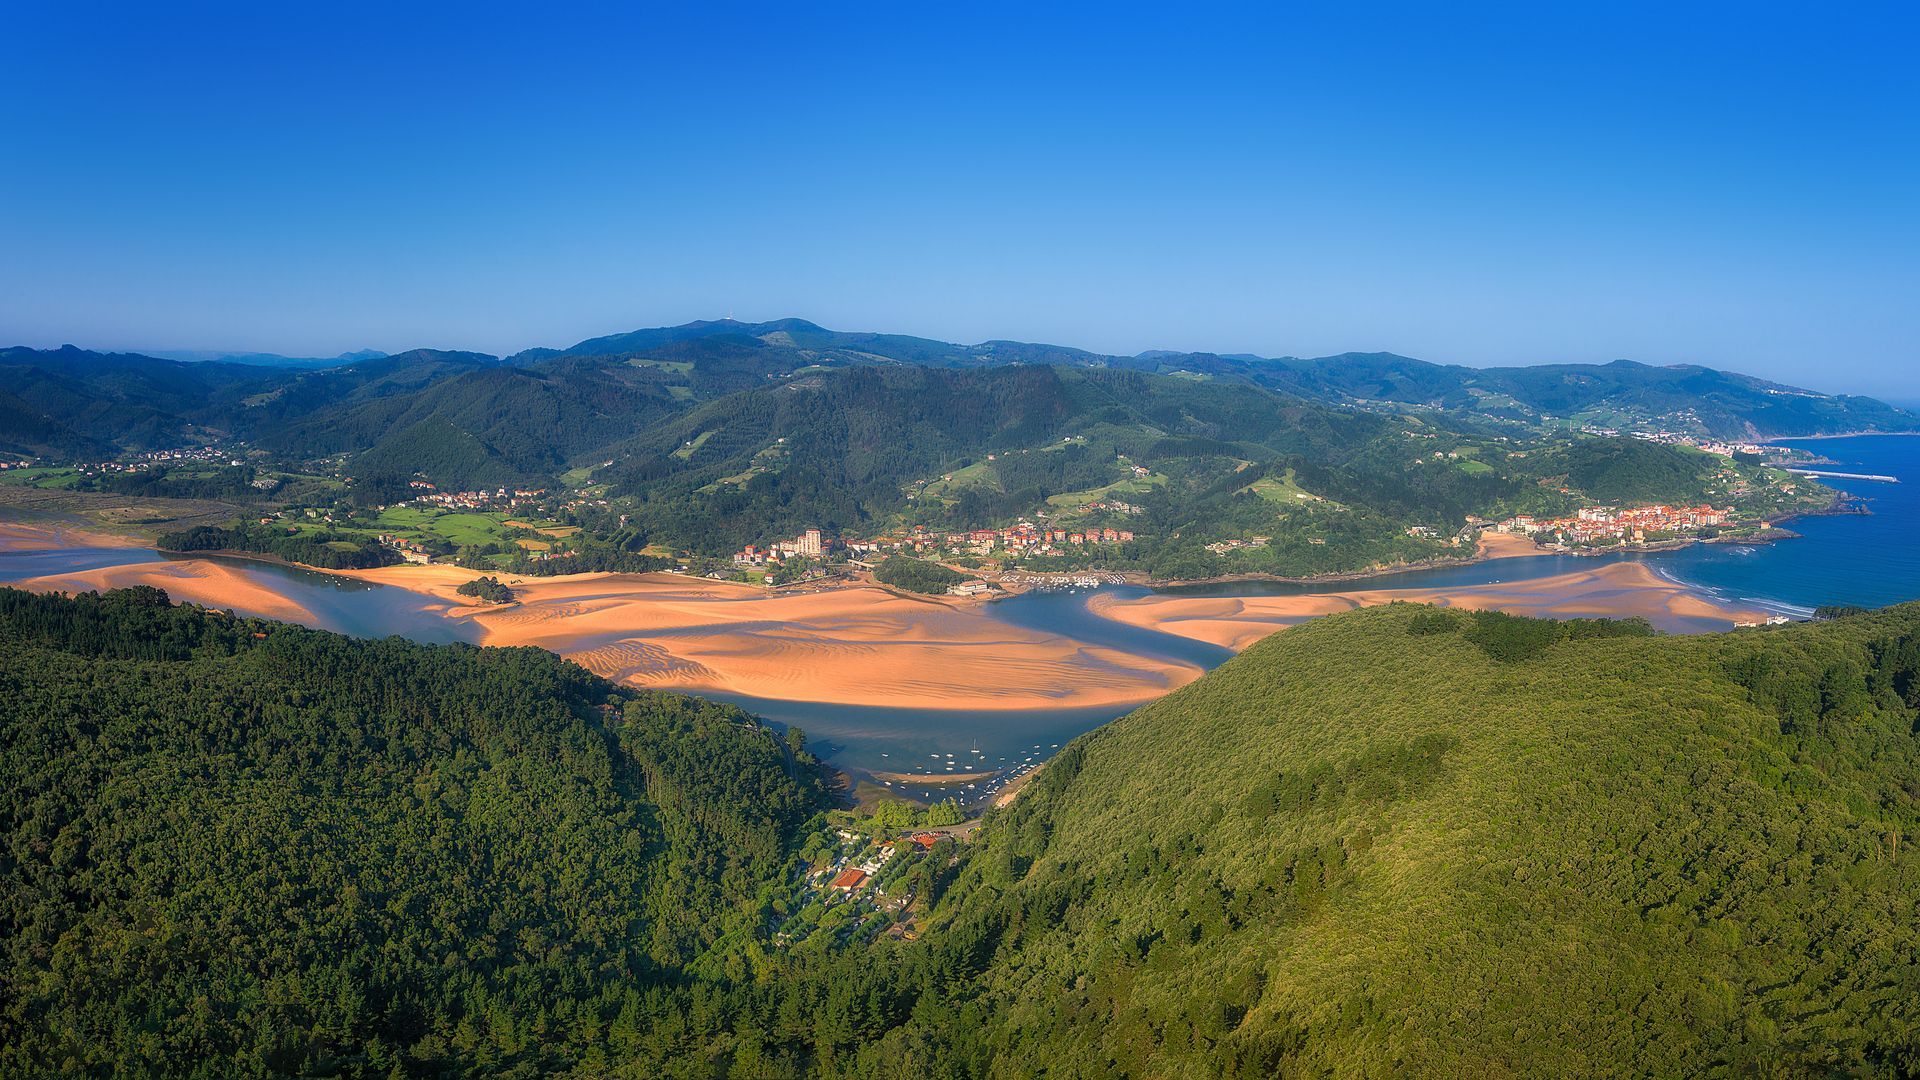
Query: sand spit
[(1615, 590), (938, 779), (195, 581)]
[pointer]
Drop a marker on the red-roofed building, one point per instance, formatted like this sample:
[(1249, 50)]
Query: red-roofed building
[(849, 879), (926, 840)]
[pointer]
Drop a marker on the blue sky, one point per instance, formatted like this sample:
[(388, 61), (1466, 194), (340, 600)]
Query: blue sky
[(1733, 186)]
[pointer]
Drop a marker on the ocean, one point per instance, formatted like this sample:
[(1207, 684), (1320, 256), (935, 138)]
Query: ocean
[(1871, 560)]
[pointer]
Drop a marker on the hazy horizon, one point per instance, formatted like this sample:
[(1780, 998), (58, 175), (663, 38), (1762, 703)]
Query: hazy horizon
[(1727, 188)]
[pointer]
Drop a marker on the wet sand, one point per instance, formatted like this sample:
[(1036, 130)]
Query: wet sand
[(935, 779), (53, 536), (1614, 590), (851, 646)]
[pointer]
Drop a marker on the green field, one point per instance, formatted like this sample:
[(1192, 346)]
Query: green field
[(457, 528), (423, 524), (1284, 490), (677, 367), (762, 462), (698, 441), (51, 476), (1119, 489), (978, 474)]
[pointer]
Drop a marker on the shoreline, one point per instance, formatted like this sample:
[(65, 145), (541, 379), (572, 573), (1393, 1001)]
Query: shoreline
[(1486, 550), (1006, 795), (1773, 439), (852, 644), (1613, 590), (1483, 553)]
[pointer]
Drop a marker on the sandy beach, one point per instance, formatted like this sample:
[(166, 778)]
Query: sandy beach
[(1614, 590), (1495, 545)]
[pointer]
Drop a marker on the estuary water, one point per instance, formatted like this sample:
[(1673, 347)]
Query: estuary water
[(1869, 560), (359, 608)]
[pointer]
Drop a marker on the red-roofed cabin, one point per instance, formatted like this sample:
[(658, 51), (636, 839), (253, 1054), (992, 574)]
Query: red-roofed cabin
[(926, 840), (849, 879)]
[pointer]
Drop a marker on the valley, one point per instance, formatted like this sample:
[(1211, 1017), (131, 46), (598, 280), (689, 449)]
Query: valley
[(875, 676)]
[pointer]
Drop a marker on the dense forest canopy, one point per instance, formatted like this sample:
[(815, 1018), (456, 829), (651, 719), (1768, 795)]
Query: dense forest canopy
[(917, 575), (1400, 840), (240, 848), (323, 549)]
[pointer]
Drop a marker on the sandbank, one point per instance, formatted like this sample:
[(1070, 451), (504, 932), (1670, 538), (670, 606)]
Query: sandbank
[(198, 581), (1615, 590), (858, 645), (864, 645), (936, 779), (55, 536)]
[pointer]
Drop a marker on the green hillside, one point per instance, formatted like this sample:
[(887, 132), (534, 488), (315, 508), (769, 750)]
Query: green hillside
[(850, 449), (867, 450), (1366, 847)]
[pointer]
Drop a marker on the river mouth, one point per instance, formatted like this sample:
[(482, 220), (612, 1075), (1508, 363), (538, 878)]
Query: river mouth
[(907, 748), (924, 752)]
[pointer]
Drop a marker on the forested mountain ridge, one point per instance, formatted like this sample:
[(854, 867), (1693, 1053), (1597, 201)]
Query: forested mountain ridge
[(485, 427), (130, 402), (1684, 397), (697, 441), (72, 401), (850, 449), (269, 360), (1534, 849), (61, 401)]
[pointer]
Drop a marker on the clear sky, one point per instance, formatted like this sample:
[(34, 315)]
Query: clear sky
[(1733, 186)]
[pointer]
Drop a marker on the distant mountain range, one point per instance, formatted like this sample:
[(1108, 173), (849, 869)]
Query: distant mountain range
[(470, 418), (1703, 400), (263, 359)]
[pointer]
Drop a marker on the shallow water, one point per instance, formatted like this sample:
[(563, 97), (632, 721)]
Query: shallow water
[(359, 608), (1867, 560)]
